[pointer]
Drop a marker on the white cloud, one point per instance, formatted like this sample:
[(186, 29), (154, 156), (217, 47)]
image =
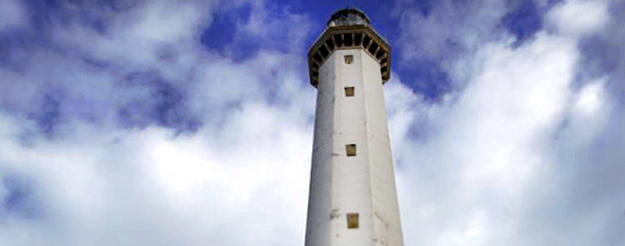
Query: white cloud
[(448, 26), (124, 188), (134, 36), (489, 146), (161, 21), (508, 157), (580, 17), (591, 100), (240, 180)]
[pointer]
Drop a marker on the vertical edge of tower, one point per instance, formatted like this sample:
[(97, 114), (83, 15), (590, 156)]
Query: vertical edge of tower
[(318, 221), (384, 201)]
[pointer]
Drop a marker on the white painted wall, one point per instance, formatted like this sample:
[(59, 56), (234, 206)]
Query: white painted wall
[(365, 183), (318, 223), (385, 207), (351, 191)]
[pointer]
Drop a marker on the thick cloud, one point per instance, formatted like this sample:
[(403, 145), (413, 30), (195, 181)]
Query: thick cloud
[(119, 127), (151, 187), (138, 68), (528, 151)]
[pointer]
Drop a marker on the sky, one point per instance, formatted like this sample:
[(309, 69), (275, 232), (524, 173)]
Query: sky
[(190, 122)]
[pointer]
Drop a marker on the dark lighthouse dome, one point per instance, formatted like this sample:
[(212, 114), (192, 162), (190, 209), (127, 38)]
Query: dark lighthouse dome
[(348, 17)]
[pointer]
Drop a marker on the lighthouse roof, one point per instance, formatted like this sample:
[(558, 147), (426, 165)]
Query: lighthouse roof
[(348, 17)]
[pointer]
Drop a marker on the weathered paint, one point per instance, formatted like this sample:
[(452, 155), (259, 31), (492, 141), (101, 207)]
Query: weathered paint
[(385, 208), (362, 184)]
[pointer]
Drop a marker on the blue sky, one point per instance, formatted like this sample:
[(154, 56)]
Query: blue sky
[(190, 122)]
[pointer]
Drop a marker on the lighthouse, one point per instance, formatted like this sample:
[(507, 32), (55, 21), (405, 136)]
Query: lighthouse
[(353, 196)]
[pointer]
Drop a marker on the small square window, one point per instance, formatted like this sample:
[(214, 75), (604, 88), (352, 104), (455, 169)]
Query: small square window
[(350, 149), (352, 221), (349, 91), (349, 59)]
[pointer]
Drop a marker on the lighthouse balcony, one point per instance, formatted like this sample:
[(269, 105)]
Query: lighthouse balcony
[(356, 36)]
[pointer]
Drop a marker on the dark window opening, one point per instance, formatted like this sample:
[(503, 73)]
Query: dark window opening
[(317, 57), (349, 59), (358, 39), (349, 91), (324, 52), (352, 221), (380, 54), (330, 44), (350, 149), (366, 41), (372, 48), (339, 40), (347, 39)]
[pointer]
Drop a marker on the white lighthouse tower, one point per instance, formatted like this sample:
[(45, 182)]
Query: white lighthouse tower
[(353, 198)]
